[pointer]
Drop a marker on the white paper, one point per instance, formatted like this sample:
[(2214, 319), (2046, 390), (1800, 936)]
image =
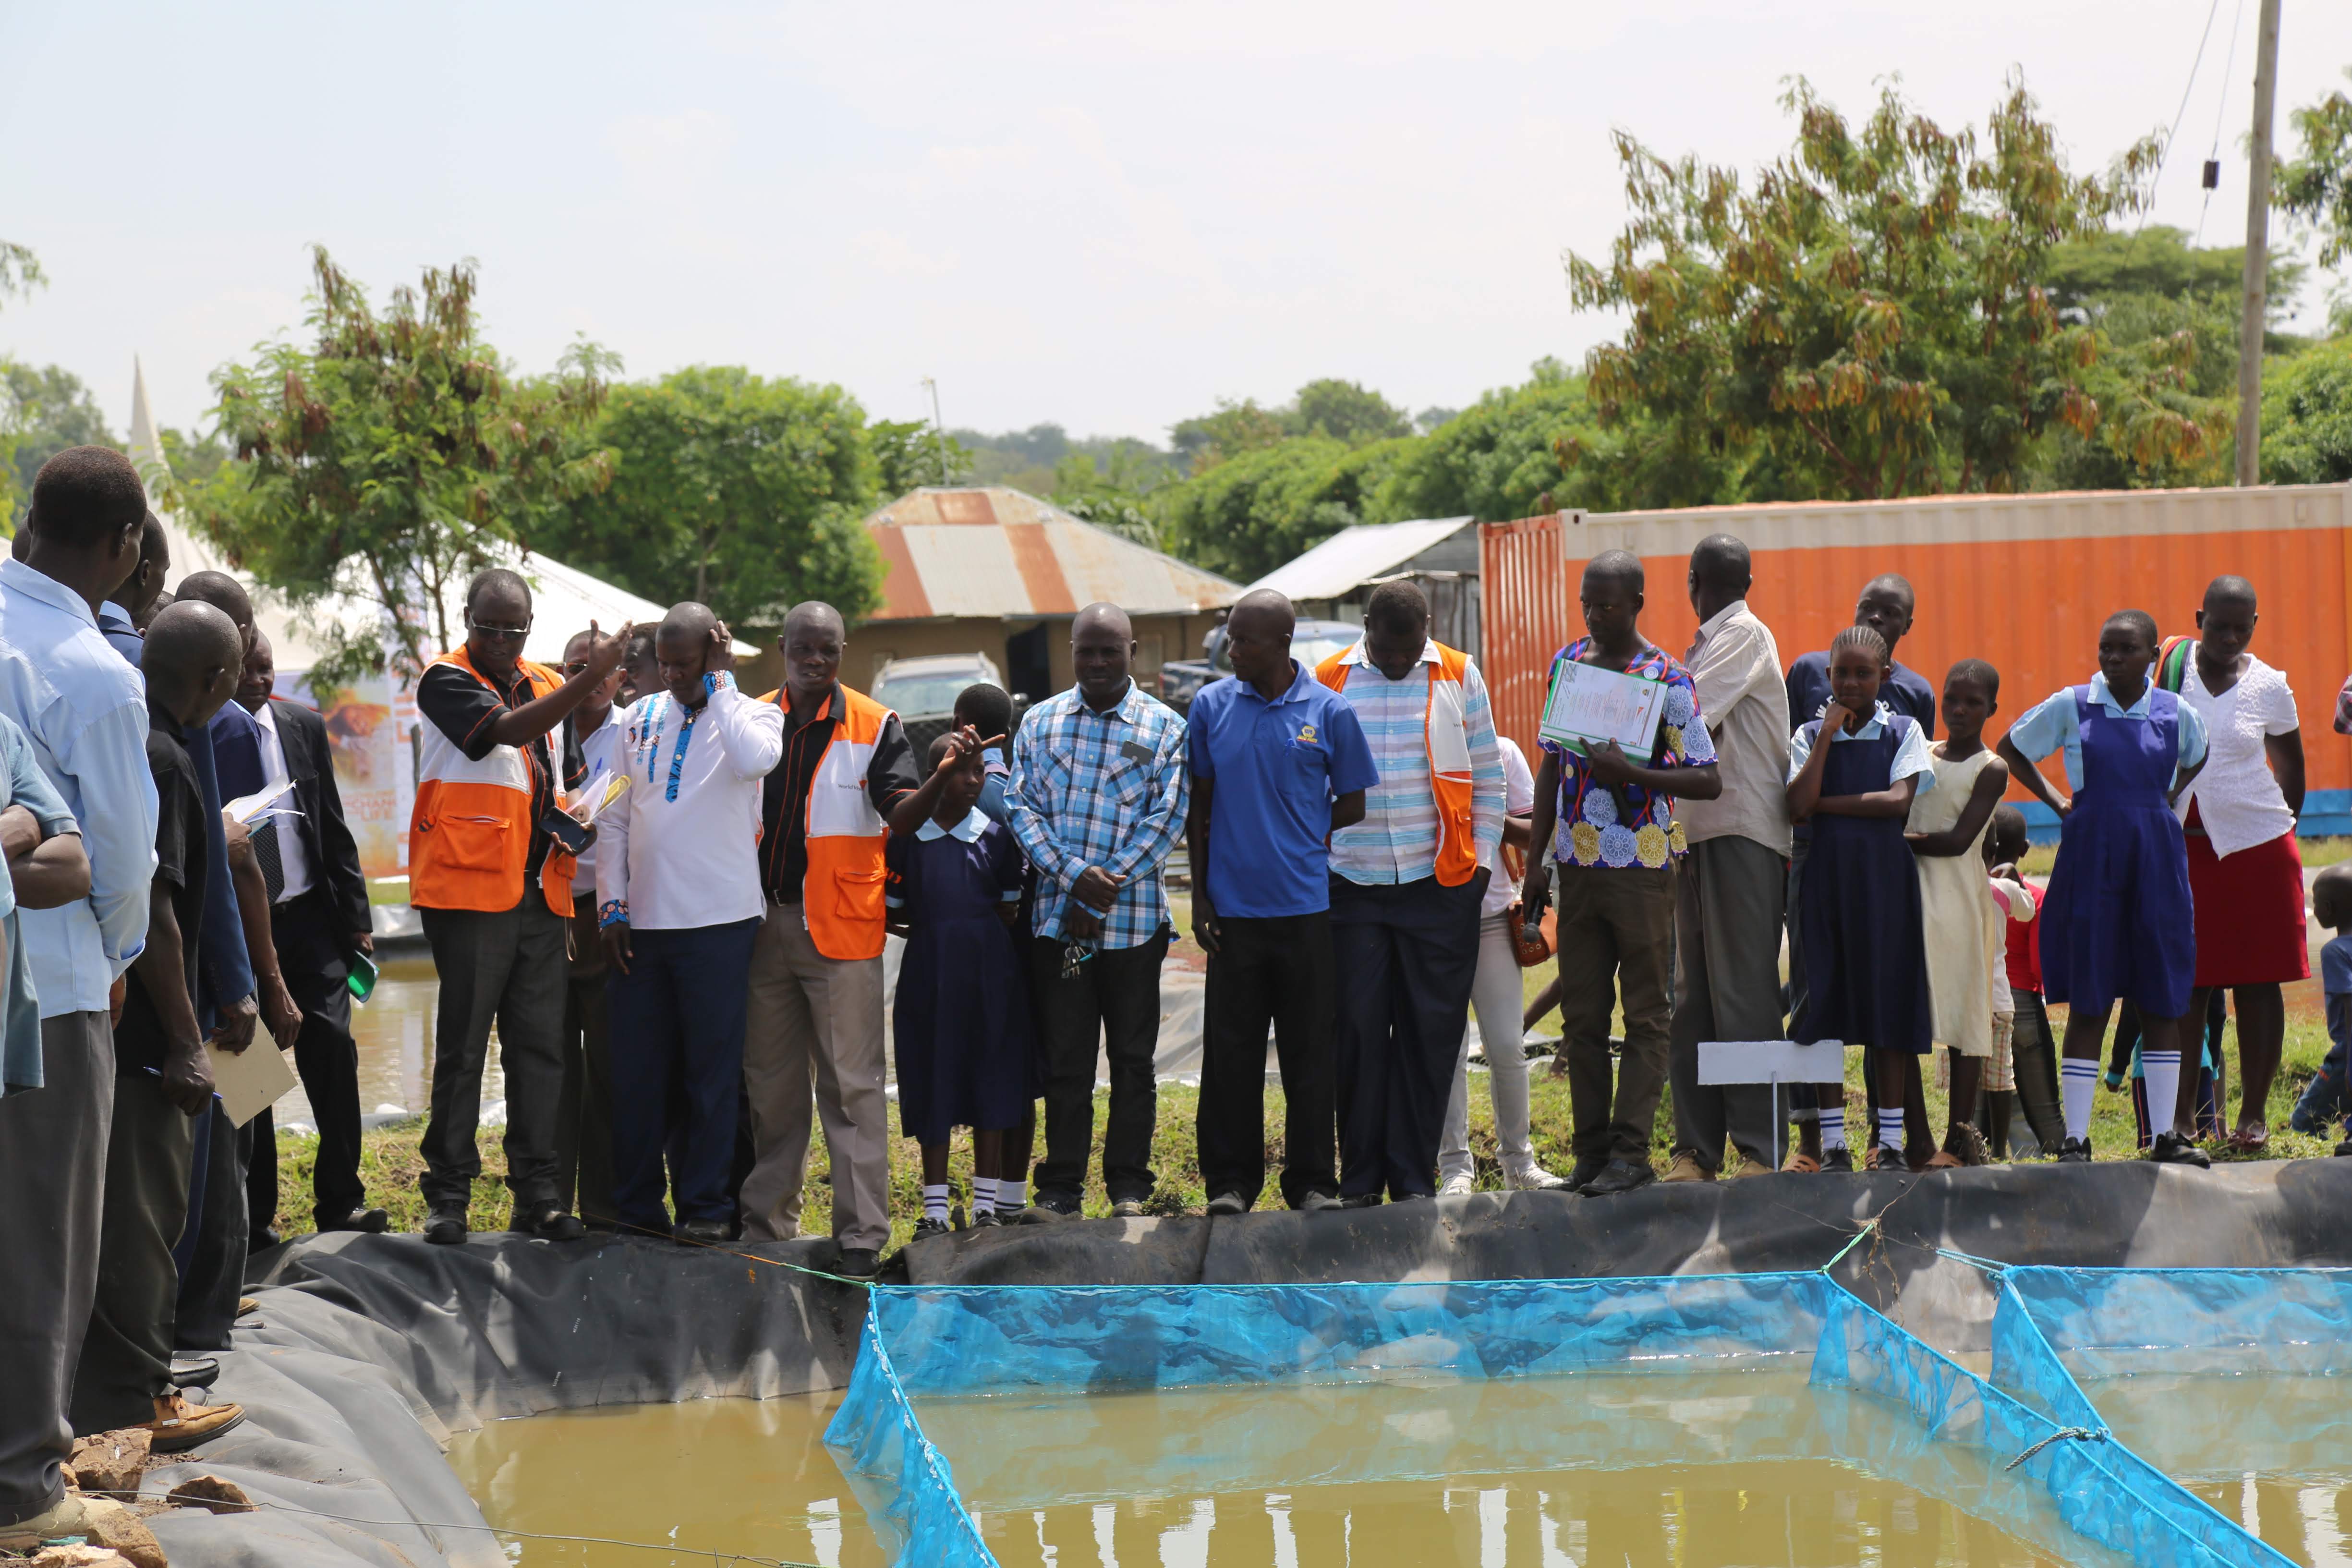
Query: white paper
[(249, 1082), (1588, 704), (247, 809), (601, 793)]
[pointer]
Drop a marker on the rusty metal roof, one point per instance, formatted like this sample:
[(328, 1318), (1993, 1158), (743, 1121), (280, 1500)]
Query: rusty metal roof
[(992, 552)]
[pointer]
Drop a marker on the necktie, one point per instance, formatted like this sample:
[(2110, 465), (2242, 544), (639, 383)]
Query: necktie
[(265, 849)]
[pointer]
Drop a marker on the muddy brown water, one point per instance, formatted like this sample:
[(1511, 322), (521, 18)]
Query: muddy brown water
[(2273, 1451), (1682, 1469), (394, 1031)]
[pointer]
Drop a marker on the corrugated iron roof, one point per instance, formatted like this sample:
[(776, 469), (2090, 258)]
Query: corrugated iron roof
[(989, 551), (1356, 555)]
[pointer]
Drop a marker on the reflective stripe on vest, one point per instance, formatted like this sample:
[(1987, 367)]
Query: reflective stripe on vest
[(1445, 739), (469, 833), (840, 892)]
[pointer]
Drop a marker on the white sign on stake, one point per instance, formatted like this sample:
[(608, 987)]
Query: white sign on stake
[(1773, 1062)]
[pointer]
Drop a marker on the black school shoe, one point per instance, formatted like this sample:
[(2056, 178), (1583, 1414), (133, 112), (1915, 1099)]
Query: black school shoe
[(2344, 1150), (2075, 1151), (446, 1228), (371, 1222), (2172, 1149), (1839, 1159), (548, 1222), (1619, 1176), (688, 1233), (858, 1263), (1587, 1166), (926, 1227)]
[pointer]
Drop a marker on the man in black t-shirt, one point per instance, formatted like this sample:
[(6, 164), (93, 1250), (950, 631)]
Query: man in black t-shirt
[(192, 659)]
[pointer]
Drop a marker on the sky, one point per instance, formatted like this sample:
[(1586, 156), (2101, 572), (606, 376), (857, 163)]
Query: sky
[(1104, 216)]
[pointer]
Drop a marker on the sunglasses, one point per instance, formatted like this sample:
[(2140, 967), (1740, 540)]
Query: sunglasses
[(502, 634)]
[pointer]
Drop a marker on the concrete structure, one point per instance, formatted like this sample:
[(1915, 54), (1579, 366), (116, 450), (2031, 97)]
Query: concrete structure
[(990, 570), (1440, 555)]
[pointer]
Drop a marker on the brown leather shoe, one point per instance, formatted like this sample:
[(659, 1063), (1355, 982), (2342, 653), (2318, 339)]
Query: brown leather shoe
[(180, 1426), (1686, 1168)]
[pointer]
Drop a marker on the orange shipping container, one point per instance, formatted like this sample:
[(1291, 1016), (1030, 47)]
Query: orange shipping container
[(2023, 580)]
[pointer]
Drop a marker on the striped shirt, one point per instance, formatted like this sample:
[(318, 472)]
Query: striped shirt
[(1397, 840), (1100, 789)]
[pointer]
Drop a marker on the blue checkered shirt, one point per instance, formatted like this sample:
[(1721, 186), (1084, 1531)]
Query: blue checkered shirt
[(1100, 789)]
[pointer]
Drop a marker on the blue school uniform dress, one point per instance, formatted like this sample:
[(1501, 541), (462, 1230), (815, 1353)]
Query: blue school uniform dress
[(2119, 922), (961, 1023), (1859, 920)]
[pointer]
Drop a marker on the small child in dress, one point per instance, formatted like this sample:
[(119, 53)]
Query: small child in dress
[(2013, 903), (2327, 1097), (1946, 830), (2032, 1051), (1854, 774), (2119, 913), (962, 1021), (988, 708)]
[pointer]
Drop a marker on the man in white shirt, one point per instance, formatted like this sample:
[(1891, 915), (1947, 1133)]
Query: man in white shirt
[(1734, 883), (678, 904), (86, 711)]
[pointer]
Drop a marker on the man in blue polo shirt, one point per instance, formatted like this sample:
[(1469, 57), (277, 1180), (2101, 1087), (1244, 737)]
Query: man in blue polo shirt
[(1279, 764)]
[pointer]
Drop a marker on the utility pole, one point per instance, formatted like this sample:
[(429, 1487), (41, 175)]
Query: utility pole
[(940, 431), (2258, 238)]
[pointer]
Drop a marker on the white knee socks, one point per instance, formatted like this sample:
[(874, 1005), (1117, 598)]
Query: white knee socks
[(983, 1195), (935, 1203), (2078, 1081), (1890, 1128), (1832, 1128), (2162, 1069)]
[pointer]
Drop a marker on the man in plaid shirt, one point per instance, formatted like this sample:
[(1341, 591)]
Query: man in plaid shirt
[(1097, 800)]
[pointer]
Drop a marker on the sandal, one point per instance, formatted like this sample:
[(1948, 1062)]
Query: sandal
[(1802, 1164), (1870, 1161), (2251, 1139)]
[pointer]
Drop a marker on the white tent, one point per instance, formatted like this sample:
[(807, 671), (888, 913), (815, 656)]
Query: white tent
[(565, 599)]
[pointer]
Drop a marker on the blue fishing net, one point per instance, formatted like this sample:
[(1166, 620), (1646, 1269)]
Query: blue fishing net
[(2009, 1454)]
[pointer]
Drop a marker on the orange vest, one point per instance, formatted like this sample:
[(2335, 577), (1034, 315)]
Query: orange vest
[(1445, 735), (469, 834), (841, 895)]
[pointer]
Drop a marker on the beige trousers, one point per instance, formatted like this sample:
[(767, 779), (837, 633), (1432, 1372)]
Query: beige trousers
[(814, 1022)]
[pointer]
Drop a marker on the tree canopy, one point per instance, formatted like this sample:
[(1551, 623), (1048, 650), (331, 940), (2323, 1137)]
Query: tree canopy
[(2308, 416), (731, 490), (1868, 313), (387, 457), (42, 412), (2315, 185)]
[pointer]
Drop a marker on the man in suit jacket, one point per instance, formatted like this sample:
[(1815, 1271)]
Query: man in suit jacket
[(317, 918)]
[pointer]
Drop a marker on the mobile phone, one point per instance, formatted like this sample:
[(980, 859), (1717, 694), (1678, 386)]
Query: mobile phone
[(574, 835)]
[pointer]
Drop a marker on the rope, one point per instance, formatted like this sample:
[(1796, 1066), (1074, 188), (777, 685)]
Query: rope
[(1987, 1264), (748, 1257), (1868, 1226), (2080, 1434)]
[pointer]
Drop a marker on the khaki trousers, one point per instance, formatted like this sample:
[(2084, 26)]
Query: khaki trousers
[(814, 1023)]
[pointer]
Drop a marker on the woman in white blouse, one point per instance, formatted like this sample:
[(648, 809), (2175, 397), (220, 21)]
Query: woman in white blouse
[(2239, 813)]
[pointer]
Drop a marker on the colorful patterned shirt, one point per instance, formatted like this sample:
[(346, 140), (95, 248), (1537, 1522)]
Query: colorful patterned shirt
[(1597, 826), (1100, 789)]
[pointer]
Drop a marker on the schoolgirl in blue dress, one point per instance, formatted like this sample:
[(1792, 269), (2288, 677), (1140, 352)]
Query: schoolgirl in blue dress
[(961, 1024), (1853, 773), (2119, 922)]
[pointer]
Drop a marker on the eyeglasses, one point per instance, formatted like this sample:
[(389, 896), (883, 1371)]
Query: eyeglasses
[(502, 634), (576, 666)]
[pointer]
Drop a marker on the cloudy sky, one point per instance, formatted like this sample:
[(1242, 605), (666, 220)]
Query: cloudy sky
[(1107, 215)]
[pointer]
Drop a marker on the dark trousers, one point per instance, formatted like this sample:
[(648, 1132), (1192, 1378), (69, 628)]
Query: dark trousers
[(1276, 971), (1726, 987), (1615, 929), (126, 1360), (676, 1051), (212, 1248), (2033, 1060), (505, 969), (1112, 1003), (53, 1142), (310, 954), (1404, 956), (583, 1124)]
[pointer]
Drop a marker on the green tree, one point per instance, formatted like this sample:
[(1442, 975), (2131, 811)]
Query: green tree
[(389, 458), (1250, 513), (1207, 439), (46, 411), (740, 493), (1869, 316), (909, 454), (2308, 416), (1345, 411), (1113, 491), (20, 274), (2316, 185)]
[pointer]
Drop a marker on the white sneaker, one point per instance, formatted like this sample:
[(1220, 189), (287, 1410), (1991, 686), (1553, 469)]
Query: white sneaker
[(1458, 1185), (1533, 1178)]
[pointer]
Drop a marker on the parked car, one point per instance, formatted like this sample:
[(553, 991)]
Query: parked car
[(1311, 642), (922, 692)]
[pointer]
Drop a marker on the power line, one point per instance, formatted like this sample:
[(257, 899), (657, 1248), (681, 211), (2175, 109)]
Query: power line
[(2237, 20), (2181, 113)]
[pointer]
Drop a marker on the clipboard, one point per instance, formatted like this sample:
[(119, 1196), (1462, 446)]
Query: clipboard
[(249, 1082), (1587, 704)]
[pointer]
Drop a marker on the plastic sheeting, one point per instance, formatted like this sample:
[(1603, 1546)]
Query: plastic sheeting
[(929, 1341)]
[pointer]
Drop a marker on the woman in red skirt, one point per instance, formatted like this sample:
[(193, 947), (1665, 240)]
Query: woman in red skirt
[(2244, 872)]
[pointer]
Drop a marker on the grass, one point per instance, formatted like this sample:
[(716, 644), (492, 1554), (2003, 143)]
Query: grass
[(391, 1165), (2315, 852)]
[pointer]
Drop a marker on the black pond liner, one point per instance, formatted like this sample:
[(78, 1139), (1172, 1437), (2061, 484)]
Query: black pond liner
[(368, 1350)]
